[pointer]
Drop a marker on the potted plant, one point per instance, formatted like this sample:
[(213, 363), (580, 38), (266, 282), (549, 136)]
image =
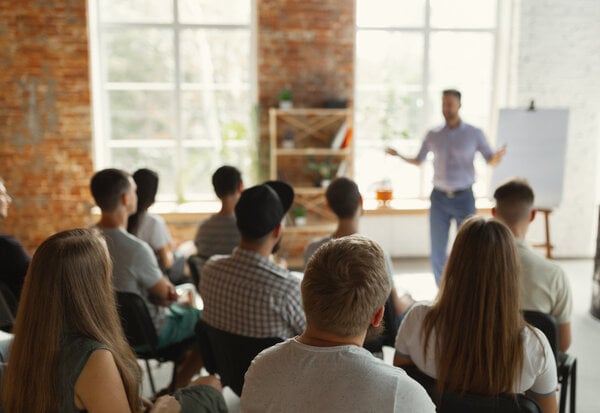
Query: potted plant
[(323, 170), (285, 99), (299, 214)]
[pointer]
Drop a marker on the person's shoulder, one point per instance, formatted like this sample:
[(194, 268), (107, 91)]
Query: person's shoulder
[(9, 241), (413, 395), (125, 242), (215, 262), (535, 261), (471, 129), (272, 357), (155, 219), (418, 310)]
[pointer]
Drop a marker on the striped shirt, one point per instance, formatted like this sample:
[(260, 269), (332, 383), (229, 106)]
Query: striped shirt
[(217, 235), (453, 154), (246, 294)]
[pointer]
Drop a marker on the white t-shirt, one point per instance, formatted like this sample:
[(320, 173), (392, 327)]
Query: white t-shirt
[(539, 367), (153, 229), (294, 377)]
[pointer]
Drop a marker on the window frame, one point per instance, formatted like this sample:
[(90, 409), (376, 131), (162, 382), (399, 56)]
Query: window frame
[(500, 92), (103, 142)]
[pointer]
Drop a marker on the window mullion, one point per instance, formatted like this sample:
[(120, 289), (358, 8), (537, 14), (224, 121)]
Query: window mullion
[(426, 81), (177, 96)]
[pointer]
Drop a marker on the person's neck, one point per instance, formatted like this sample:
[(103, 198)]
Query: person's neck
[(519, 230), (346, 226), (227, 206), (116, 219), (453, 123), (319, 338), (264, 248)]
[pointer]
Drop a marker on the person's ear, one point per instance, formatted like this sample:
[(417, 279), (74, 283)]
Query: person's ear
[(494, 214), (378, 317), (277, 230), (125, 198), (532, 215), (360, 205)]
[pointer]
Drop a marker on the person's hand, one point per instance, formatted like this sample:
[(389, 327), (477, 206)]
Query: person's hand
[(391, 151), (497, 156), (166, 404)]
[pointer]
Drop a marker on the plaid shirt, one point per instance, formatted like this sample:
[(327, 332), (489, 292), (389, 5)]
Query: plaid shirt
[(246, 294)]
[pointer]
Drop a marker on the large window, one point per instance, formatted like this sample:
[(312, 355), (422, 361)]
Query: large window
[(174, 89), (407, 52)]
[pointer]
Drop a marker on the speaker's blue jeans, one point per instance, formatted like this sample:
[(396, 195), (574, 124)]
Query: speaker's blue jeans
[(444, 209)]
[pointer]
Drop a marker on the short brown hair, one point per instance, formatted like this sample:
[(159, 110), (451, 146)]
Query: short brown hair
[(107, 186), (344, 285), (343, 197), (514, 200)]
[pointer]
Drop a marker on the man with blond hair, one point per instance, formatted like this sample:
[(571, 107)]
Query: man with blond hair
[(544, 285), (344, 290)]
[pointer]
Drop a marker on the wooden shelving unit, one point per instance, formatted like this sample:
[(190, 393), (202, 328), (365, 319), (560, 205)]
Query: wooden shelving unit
[(312, 132)]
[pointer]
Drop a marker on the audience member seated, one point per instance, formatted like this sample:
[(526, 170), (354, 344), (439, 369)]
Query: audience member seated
[(245, 293), (344, 199), (13, 258), (473, 337), (544, 285), (69, 352), (136, 269), (325, 369), (219, 234), (153, 229)]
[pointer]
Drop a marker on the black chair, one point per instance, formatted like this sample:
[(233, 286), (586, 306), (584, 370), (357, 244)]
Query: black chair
[(228, 354), (139, 330), (8, 308), (566, 364), (195, 263), (450, 402), (390, 329)]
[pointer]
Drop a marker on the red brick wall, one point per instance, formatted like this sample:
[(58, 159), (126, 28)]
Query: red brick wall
[(45, 113), (45, 126), (308, 46)]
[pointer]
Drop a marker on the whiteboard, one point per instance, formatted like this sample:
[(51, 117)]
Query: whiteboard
[(536, 144)]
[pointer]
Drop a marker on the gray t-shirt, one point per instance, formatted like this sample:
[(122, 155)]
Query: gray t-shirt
[(135, 269), (295, 377), (217, 235)]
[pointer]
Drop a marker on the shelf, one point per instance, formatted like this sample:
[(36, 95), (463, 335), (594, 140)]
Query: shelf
[(322, 138), (313, 151)]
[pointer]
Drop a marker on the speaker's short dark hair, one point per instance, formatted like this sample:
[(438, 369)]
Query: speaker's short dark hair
[(226, 180), (452, 92)]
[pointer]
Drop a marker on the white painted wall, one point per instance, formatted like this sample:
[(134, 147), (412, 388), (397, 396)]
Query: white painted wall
[(557, 63), (559, 66)]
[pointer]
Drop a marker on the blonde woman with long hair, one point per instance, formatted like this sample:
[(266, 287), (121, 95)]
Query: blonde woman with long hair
[(69, 353), (473, 337)]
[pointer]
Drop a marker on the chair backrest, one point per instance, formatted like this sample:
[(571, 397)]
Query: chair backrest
[(229, 354), (547, 324), (9, 296), (136, 321), (8, 307), (195, 263), (472, 403)]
